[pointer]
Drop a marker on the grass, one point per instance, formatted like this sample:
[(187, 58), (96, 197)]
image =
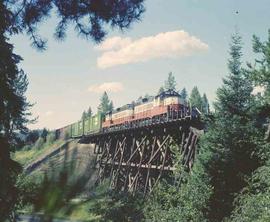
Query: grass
[(80, 210), (25, 157), (77, 209)]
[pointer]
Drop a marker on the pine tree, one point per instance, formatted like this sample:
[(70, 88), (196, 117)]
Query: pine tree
[(230, 137), (89, 111), (253, 204), (105, 104), (84, 115), (205, 104), (184, 94), (170, 83), (110, 106), (195, 98), (161, 90), (260, 75), (13, 117), (44, 134), (26, 16), (147, 96)]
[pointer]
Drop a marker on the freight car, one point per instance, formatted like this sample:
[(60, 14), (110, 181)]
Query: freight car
[(86, 126), (165, 106)]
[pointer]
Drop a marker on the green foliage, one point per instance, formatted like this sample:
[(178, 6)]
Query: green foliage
[(119, 207), (186, 201), (67, 135), (28, 189), (195, 98), (170, 83), (201, 102), (28, 154), (161, 90), (184, 94), (205, 104), (13, 116), (32, 136), (105, 104), (89, 111), (39, 144), (84, 115), (29, 15), (44, 134), (50, 138), (57, 189), (261, 72), (60, 192), (231, 137), (253, 203)]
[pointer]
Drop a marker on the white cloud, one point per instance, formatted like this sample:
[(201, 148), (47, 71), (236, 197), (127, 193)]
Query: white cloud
[(114, 43), (106, 86), (49, 113), (119, 51)]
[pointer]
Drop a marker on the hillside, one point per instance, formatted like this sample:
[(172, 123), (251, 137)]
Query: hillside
[(78, 161), (59, 154)]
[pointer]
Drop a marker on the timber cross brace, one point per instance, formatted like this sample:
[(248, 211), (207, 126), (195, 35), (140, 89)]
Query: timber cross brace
[(134, 160)]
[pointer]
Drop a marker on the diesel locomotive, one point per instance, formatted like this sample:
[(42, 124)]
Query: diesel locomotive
[(166, 106)]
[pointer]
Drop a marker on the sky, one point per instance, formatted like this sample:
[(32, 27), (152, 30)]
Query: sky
[(189, 38)]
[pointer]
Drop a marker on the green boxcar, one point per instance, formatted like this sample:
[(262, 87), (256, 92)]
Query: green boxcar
[(92, 124), (74, 129), (89, 125), (96, 123), (77, 129), (80, 128)]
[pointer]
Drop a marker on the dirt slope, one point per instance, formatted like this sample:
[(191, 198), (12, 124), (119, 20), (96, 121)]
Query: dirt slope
[(78, 158)]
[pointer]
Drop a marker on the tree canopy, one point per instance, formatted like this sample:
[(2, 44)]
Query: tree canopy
[(184, 94), (253, 203), (13, 118), (89, 18), (161, 90), (170, 83), (89, 111), (230, 137), (205, 104), (195, 98), (106, 105)]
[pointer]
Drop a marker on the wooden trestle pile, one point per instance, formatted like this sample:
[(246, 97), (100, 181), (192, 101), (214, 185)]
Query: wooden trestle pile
[(136, 159)]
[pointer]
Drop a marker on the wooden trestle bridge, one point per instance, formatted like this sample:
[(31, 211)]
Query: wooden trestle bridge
[(134, 159)]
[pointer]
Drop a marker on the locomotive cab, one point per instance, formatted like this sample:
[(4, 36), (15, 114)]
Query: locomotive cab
[(169, 97)]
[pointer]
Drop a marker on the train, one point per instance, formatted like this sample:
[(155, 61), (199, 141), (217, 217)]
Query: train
[(165, 106)]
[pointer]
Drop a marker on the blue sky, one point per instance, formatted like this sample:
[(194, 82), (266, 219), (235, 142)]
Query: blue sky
[(187, 37)]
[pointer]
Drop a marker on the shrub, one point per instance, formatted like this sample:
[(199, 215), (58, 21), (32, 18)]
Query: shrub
[(50, 138), (27, 147), (67, 135), (39, 143)]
